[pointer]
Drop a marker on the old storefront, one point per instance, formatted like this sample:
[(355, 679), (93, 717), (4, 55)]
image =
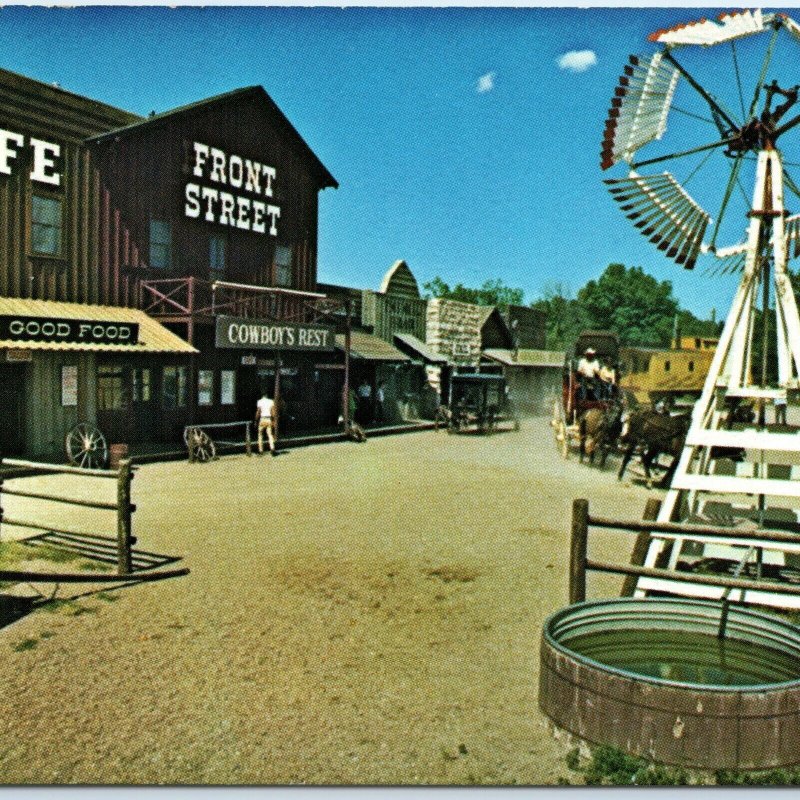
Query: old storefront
[(212, 212), (68, 354)]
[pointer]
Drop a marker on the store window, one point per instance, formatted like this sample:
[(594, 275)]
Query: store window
[(110, 389), (205, 387), (174, 387), (691, 366), (283, 265), (142, 385), (217, 256), (160, 244), (227, 387), (667, 365), (46, 225)]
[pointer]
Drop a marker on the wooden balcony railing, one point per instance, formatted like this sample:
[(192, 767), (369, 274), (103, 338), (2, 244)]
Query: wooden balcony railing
[(193, 298)]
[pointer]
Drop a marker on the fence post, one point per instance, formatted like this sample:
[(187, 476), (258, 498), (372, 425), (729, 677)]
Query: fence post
[(577, 551), (124, 477), (248, 445), (641, 546)]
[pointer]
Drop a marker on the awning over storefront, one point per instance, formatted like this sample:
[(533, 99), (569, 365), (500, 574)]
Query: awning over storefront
[(49, 325), (370, 348), (525, 357), (414, 347)]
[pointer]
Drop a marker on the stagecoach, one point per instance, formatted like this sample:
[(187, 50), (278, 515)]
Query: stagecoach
[(573, 403), (477, 401)]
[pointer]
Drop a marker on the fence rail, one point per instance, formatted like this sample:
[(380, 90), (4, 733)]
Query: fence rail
[(580, 563), (123, 509)]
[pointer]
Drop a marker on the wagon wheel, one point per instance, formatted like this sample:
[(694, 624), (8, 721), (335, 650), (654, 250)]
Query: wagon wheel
[(201, 445), (86, 446)]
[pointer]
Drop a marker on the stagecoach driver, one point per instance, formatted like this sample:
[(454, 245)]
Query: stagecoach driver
[(265, 417), (588, 372)]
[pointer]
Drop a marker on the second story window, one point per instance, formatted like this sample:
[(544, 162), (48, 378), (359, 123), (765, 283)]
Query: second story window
[(160, 244), (217, 257), (283, 265), (46, 225)]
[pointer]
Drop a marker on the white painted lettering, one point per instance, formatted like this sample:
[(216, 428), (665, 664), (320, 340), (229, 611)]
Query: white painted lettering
[(42, 165), (235, 172), (244, 208), (125, 332), (210, 196), (258, 225), (289, 337), (16, 327), (269, 176), (273, 212), (7, 138), (82, 330), (227, 204), (200, 157), (218, 165), (232, 331), (253, 182), (192, 207), (62, 329)]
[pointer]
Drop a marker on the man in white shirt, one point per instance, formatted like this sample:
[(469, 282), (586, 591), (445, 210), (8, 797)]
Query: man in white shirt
[(265, 409), (588, 370)]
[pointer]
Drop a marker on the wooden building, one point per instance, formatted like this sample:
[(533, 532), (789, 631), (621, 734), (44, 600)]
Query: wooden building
[(63, 346), (210, 218), (205, 218)]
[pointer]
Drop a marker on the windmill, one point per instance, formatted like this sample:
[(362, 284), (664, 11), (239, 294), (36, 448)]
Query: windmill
[(745, 145)]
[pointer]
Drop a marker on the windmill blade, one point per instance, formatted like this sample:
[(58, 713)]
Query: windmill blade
[(705, 32), (668, 214), (638, 112)]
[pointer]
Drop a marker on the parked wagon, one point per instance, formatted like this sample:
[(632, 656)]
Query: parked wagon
[(478, 401)]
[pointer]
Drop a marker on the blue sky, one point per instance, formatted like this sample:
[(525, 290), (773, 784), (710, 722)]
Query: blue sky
[(458, 141)]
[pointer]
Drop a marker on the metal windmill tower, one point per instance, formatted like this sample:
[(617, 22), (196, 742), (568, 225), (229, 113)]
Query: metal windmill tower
[(766, 485)]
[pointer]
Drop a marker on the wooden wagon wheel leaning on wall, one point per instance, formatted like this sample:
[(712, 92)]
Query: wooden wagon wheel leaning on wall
[(199, 444), (86, 446)]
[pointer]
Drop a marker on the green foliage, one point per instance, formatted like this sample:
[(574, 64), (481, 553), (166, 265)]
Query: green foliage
[(491, 293), (565, 316), (25, 644), (610, 766), (631, 303), (772, 777)]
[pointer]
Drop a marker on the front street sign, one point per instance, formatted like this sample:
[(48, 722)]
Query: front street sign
[(263, 334)]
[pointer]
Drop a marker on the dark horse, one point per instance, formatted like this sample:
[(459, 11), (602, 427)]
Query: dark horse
[(654, 433), (599, 429)]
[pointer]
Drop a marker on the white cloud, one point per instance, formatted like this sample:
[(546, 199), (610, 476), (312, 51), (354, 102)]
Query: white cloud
[(485, 83), (577, 60)]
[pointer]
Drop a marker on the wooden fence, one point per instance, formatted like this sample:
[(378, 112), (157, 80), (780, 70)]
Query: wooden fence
[(122, 508), (580, 563)]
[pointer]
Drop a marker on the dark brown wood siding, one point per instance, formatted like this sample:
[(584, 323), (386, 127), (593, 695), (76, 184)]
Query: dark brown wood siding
[(34, 109), (144, 173)]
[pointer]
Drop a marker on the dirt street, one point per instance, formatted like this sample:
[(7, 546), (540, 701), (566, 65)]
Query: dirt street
[(354, 614)]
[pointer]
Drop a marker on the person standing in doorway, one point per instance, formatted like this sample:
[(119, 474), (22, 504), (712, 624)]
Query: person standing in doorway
[(364, 402), (380, 398), (265, 412)]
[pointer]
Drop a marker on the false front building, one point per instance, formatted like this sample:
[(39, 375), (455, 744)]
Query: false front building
[(204, 218)]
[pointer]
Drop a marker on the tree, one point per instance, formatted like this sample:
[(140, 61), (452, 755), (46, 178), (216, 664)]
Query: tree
[(631, 303), (491, 293), (565, 317)]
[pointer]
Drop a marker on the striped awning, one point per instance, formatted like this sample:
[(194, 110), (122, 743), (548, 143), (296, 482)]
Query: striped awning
[(152, 336)]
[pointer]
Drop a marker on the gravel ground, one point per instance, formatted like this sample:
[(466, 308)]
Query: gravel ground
[(355, 614)]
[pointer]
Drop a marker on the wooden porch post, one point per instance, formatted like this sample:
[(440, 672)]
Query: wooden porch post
[(346, 387), (577, 551)]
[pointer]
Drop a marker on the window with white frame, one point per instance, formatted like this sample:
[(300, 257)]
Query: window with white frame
[(46, 225)]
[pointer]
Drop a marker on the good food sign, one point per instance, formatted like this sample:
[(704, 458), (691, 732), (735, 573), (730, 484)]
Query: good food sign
[(81, 331), (261, 334)]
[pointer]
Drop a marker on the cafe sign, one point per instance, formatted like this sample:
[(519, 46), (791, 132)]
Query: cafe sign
[(263, 334), (75, 331)]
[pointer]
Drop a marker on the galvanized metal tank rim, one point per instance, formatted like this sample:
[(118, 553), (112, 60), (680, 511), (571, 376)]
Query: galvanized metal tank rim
[(701, 616)]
